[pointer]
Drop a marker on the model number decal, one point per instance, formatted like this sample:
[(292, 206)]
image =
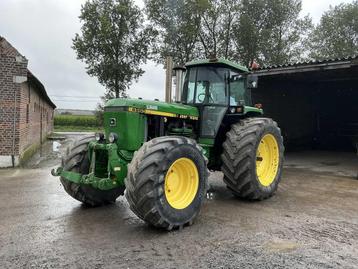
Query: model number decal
[(160, 113), (152, 107)]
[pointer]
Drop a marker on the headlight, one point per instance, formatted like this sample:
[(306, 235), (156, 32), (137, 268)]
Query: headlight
[(112, 137), (99, 136)]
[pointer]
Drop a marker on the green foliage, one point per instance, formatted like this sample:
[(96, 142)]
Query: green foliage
[(216, 27), (76, 120), (271, 31), (70, 128), (337, 33), (113, 42), (177, 23)]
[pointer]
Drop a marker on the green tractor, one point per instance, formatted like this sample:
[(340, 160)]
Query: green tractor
[(159, 154)]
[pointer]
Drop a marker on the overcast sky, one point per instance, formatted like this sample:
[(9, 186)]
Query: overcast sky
[(42, 31)]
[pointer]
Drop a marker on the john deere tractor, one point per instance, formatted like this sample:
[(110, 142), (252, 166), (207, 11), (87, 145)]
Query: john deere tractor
[(159, 154)]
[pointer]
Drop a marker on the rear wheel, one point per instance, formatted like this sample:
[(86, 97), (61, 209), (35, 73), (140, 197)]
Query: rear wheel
[(253, 158), (167, 182), (77, 161)]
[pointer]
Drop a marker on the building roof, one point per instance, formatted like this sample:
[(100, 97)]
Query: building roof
[(220, 61), (34, 80), (6, 49), (315, 65)]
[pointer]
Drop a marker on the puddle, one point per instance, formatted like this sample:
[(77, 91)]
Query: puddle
[(51, 152)]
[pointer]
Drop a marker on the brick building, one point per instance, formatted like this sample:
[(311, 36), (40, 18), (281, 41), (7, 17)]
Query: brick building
[(26, 111)]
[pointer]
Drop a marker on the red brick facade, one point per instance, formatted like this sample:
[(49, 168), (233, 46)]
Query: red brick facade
[(26, 112)]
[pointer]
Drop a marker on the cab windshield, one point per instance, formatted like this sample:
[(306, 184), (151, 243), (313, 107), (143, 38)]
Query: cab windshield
[(206, 85)]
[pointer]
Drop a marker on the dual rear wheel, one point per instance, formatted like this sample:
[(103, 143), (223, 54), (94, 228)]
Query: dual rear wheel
[(252, 158)]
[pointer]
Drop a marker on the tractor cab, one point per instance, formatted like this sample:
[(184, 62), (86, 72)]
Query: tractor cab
[(221, 90)]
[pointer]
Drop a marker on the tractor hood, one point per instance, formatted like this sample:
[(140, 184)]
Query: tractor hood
[(153, 108)]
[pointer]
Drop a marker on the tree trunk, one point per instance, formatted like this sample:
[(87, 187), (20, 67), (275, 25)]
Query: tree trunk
[(116, 87)]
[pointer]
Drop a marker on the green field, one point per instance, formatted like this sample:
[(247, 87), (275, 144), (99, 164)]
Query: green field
[(76, 123)]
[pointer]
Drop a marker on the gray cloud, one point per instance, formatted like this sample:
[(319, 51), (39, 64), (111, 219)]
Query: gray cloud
[(43, 31)]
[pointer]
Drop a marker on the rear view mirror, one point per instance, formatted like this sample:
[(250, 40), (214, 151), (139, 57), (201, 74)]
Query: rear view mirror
[(252, 81)]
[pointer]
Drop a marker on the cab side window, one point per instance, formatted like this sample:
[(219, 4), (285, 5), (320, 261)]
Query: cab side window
[(238, 93), (190, 88)]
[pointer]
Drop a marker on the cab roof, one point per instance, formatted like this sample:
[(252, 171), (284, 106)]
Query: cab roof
[(219, 61)]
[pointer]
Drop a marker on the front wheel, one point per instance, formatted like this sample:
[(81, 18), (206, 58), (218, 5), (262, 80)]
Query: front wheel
[(167, 182), (253, 158)]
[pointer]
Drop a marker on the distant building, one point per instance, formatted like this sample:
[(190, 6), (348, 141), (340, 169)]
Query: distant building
[(26, 111)]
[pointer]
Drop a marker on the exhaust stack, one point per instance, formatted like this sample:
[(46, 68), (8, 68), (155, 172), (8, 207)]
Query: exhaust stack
[(179, 81)]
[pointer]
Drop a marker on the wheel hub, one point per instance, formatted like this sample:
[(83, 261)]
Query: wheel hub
[(267, 160), (181, 183)]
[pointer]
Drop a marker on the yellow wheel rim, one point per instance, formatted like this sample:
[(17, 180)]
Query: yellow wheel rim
[(267, 160), (181, 183)]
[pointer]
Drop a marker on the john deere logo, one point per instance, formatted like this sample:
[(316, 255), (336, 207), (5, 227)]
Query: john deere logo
[(112, 122)]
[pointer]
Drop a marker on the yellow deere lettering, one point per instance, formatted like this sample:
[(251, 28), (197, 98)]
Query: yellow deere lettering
[(160, 113)]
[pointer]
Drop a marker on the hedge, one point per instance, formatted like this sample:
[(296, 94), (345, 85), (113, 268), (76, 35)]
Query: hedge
[(75, 120)]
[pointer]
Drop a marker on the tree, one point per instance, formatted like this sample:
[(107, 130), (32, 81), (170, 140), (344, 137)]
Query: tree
[(177, 23), (248, 30), (271, 31), (336, 35), (286, 33), (217, 19), (113, 42)]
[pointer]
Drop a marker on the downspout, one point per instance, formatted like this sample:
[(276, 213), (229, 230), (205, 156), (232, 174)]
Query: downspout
[(14, 130), (41, 126)]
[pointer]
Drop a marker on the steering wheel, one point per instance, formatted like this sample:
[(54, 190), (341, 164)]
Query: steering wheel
[(201, 94), (204, 95)]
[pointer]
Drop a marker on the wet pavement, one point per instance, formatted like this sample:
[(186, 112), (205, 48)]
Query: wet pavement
[(312, 222)]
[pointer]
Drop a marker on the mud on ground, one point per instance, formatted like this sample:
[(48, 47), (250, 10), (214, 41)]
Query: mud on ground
[(312, 222)]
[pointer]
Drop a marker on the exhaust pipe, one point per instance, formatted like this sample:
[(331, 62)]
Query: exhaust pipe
[(179, 82)]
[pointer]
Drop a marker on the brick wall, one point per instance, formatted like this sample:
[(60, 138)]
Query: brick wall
[(26, 118), (36, 117), (10, 93)]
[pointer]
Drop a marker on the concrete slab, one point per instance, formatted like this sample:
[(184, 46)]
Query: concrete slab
[(6, 161), (312, 222), (342, 164)]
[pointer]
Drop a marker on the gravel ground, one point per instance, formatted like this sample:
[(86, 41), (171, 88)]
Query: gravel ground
[(312, 222)]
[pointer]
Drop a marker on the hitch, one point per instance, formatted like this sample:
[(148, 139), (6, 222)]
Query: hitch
[(90, 179), (116, 169)]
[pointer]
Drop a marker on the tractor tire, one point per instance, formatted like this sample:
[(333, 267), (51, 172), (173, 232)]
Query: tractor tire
[(166, 182), (77, 161), (252, 158)]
